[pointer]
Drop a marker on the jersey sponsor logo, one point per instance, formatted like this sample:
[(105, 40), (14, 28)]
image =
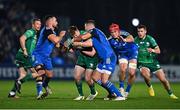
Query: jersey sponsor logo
[(124, 44), (141, 42), (158, 65), (33, 58), (36, 61), (110, 68), (35, 37), (115, 43), (147, 44), (91, 64), (108, 61)]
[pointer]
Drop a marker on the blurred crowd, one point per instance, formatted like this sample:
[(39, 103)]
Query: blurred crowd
[(13, 22), (15, 18)]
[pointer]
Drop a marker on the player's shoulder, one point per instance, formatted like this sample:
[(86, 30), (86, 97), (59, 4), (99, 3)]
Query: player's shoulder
[(149, 37), (136, 39), (30, 32), (124, 33), (109, 38), (48, 29)]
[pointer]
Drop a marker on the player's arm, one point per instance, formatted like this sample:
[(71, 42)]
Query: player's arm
[(56, 39), (154, 46), (115, 44), (129, 37), (90, 53), (83, 37), (22, 40), (87, 43), (155, 50)]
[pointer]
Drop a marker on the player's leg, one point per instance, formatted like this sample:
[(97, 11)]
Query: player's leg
[(123, 63), (26, 62), (46, 80), (29, 76), (145, 72), (107, 67), (131, 78), (39, 87), (90, 82), (17, 83), (47, 64), (39, 80), (78, 71), (38, 64), (110, 86), (161, 76)]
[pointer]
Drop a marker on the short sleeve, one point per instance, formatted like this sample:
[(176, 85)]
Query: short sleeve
[(48, 32), (153, 42), (29, 33), (92, 32), (124, 33)]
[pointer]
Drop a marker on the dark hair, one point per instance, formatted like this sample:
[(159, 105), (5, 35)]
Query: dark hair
[(90, 21), (142, 26), (34, 20), (72, 30), (47, 17)]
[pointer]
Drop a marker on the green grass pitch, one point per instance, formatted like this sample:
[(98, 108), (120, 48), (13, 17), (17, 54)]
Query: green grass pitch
[(65, 91)]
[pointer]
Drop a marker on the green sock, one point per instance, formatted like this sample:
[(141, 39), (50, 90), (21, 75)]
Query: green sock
[(148, 84), (14, 88), (169, 91), (26, 78), (79, 88), (92, 88)]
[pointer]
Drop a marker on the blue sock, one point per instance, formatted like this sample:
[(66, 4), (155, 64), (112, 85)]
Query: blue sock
[(128, 88), (39, 87), (110, 86), (100, 83), (121, 84)]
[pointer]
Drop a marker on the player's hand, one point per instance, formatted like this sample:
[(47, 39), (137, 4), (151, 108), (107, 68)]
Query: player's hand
[(25, 53), (76, 44), (64, 49), (57, 45), (66, 44), (150, 50), (77, 39), (62, 33)]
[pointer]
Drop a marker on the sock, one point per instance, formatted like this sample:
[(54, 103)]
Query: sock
[(109, 85), (46, 81), (14, 88), (79, 88), (169, 91), (128, 88), (92, 88), (121, 84), (148, 83), (99, 82), (39, 87), (26, 78)]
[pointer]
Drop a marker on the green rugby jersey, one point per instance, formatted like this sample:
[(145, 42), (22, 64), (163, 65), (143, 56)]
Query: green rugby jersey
[(147, 42), (31, 39)]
